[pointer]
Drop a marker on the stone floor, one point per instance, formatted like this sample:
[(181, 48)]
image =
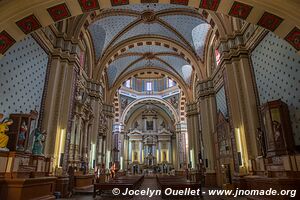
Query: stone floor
[(147, 183)]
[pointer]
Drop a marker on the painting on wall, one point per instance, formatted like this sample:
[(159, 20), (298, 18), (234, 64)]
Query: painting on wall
[(125, 101), (174, 100)]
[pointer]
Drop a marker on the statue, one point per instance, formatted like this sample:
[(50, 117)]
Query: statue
[(260, 139), (22, 136), (136, 125), (4, 128), (39, 138), (163, 125)]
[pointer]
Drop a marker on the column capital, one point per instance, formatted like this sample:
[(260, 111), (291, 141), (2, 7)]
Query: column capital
[(192, 108), (205, 89)]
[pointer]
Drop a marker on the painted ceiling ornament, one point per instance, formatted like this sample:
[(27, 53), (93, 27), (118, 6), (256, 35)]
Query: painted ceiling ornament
[(180, 2), (294, 38), (270, 21), (29, 24), (59, 12), (148, 16), (89, 5), (149, 55), (240, 10), (6, 41), (119, 2), (210, 4)]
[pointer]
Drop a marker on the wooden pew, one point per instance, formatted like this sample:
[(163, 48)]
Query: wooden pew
[(122, 183), (176, 183)]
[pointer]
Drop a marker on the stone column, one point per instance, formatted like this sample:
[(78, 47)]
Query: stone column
[(240, 91), (141, 151), (169, 151), (159, 152), (193, 133), (100, 150), (79, 135), (206, 98), (130, 150)]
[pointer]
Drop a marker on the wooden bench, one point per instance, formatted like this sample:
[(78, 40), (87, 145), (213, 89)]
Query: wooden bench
[(176, 183), (122, 183)]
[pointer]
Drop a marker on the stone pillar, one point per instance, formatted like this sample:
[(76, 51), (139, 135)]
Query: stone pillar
[(58, 105), (159, 152), (100, 150), (141, 151), (206, 98), (130, 150), (169, 151), (193, 133), (72, 141), (155, 126), (240, 92)]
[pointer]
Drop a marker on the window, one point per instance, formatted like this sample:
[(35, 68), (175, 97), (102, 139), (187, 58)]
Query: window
[(149, 86), (128, 83), (170, 82), (217, 56)]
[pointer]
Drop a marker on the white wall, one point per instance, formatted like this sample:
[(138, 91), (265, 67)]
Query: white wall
[(22, 77), (277, 72)]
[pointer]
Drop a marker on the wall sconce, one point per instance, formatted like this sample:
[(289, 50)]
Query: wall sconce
[(61, 148), (239, 147)]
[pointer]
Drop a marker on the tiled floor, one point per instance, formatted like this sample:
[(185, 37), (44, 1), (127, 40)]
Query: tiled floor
[(148, 183)]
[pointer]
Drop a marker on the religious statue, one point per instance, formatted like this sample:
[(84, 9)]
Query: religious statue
[(260, 139), (136, 125), (39, 139), (173, 100), (124, 103), (135, 156), (163, 125), (22, 136), (4, 128), (164, 156), (277, 134)]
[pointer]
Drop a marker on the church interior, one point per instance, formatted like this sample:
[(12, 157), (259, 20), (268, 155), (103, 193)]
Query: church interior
[(104, 94)]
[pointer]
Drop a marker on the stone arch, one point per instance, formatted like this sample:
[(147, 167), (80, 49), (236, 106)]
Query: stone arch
[(181, 83), (188, 56), (150, 99)]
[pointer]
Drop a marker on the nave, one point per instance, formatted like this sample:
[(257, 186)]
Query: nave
[(91, 90)]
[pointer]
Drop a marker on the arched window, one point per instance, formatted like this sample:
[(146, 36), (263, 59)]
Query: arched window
[(217, 57), (128, 83), (149, 86), (170, 83)]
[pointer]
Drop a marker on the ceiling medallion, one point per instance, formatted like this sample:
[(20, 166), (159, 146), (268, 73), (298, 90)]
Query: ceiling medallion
[(149, 55), (148, 16)]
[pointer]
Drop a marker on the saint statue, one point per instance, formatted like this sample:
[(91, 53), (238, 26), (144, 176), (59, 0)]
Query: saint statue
[(136, 125), (163, 125), (22, 136), (4, 128), (260, 139), (39, 138)]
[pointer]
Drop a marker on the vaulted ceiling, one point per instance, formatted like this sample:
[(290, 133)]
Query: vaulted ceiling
[(173, 22)]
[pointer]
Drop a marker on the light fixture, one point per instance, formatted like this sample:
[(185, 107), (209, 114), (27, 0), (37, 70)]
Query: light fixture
[(239, 147)]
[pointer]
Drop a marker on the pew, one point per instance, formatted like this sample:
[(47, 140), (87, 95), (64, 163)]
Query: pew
[(176, 183), (122, 183)]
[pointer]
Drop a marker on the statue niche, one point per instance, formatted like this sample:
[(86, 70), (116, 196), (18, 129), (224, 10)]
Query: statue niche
[(149, 125)]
